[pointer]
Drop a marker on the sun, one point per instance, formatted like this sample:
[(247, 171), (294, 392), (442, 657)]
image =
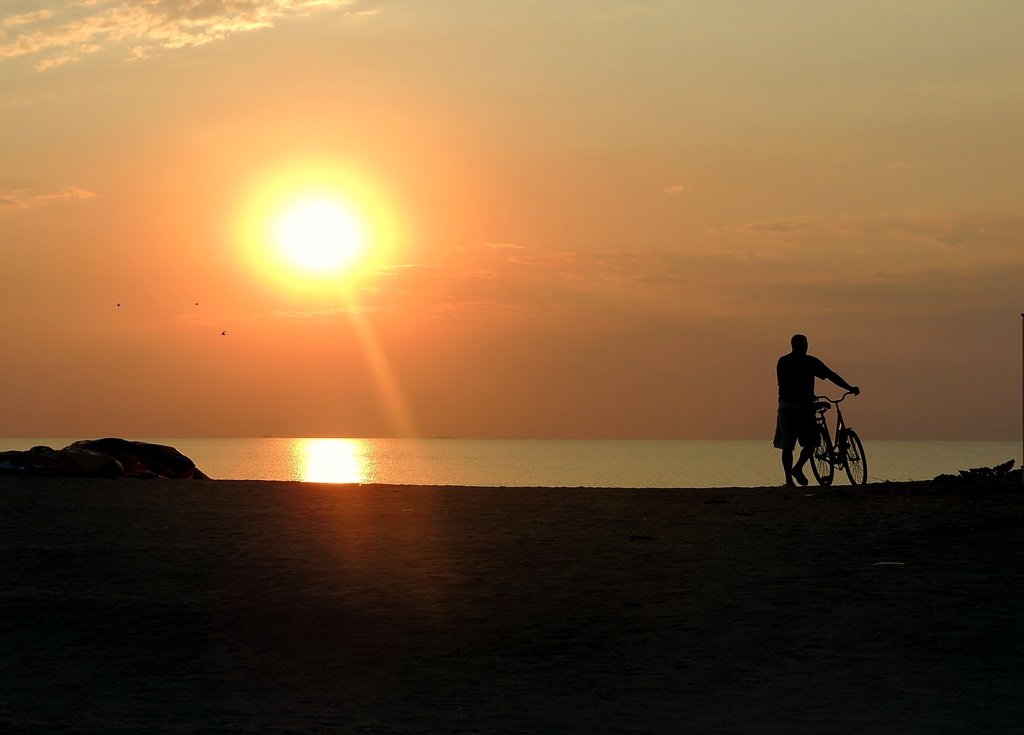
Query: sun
[(318, 235), (315, 229)]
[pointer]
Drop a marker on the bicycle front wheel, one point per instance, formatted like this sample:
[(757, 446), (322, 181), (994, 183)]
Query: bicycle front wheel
[(821, 459), (854, 459)]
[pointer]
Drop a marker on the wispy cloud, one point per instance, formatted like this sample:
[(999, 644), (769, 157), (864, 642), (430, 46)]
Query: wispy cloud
[(71, 29), (866, 263), (12, 21), (19, 199), (504, 246), (938, 231), (674, 189)]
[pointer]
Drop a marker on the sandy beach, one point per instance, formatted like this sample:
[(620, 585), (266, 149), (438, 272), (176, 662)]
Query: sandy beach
[(231, 606)]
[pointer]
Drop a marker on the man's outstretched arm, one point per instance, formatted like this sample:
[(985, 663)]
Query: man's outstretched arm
[(838, 380)]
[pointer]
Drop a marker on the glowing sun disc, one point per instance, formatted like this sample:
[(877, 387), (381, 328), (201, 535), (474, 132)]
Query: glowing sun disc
[(318, 235), (316, 230)]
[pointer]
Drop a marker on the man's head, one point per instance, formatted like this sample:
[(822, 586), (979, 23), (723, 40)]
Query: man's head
[(799, 343)]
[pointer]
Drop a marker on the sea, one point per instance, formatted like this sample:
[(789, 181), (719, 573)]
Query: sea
[(547, 462)]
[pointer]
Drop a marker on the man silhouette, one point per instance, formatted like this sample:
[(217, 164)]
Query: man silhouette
[(796, 373)]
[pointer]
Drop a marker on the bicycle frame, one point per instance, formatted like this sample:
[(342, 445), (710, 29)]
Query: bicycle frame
[(820, 414), (845, 452)]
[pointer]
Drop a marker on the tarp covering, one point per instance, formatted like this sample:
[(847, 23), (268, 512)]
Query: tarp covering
[(102, 458)]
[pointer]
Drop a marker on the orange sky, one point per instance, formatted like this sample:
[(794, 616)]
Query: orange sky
[(596, 219)]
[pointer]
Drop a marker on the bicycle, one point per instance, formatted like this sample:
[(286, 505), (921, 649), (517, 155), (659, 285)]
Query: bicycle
[(847, 452)]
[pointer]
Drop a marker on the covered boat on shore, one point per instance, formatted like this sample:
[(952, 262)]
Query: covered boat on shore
[(110, 457)]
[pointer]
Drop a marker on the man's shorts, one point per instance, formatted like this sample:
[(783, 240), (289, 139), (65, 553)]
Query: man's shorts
[(795, 422)]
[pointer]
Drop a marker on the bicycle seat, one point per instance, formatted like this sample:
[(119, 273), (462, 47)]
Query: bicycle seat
[(822, 406)]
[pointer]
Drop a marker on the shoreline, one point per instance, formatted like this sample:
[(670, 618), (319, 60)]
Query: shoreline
[(568, 463), (229, 606)]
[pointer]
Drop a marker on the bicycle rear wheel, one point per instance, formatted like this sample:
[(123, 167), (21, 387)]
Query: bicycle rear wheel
[(821, 459), (854, 459)]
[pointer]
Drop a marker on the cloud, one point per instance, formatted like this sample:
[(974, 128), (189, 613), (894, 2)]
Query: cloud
[(21, 19), (29, 198), (940, 232), (71, 192), (139, 28), (54, 62), (504, 246), (857, 265), (874, 264), (673, 189)]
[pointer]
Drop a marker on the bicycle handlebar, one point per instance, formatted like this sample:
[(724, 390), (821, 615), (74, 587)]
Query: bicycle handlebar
[(836, 400)]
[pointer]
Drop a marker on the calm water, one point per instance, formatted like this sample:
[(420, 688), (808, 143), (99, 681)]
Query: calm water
[(547, 462)]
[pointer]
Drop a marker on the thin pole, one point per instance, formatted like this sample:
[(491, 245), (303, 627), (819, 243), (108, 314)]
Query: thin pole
[(1022, 395)]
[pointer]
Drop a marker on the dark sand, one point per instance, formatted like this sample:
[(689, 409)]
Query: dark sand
[(222, 606)]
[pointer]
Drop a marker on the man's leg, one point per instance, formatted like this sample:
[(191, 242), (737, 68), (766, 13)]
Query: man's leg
[(787, 466), (785, 440), (808, 437), (798, 469)]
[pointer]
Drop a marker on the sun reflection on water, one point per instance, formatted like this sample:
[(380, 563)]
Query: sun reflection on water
[(332, 460)]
